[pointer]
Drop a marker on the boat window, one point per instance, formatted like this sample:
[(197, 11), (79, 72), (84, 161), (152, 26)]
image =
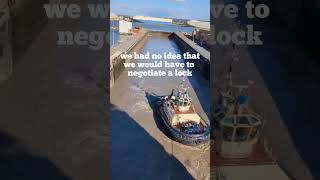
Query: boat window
[(242, 134), (254, 120), (243, 120), (228, 120), (227, 133), (255, 132), (221, 115)]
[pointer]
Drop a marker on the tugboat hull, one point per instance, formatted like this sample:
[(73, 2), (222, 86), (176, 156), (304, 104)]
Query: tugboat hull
[(181, 137)]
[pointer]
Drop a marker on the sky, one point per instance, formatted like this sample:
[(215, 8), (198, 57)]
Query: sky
[(183, 9)]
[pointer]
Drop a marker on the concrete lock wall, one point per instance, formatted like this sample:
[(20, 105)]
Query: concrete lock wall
[(275, 134), (203, 64), (116, 63)]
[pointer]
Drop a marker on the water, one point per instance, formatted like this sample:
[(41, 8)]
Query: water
[(151, 25)]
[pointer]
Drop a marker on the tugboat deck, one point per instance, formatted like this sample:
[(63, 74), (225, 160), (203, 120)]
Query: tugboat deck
[(178, 126), (190, 111)]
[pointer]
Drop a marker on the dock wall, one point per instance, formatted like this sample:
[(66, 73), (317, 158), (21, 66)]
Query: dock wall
[(116, 63), (187, 45)]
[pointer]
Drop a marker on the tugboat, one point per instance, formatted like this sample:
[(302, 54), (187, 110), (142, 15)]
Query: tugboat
[(180, 118), (237, 126), (239, 149)]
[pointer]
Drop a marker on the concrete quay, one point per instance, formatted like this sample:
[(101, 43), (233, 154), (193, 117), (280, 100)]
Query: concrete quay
[(187, 45), (127, 45)]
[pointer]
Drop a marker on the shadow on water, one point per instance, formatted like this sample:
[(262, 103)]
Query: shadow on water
[(152, 100), (134, 154), (199, 84), (17, 164)]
